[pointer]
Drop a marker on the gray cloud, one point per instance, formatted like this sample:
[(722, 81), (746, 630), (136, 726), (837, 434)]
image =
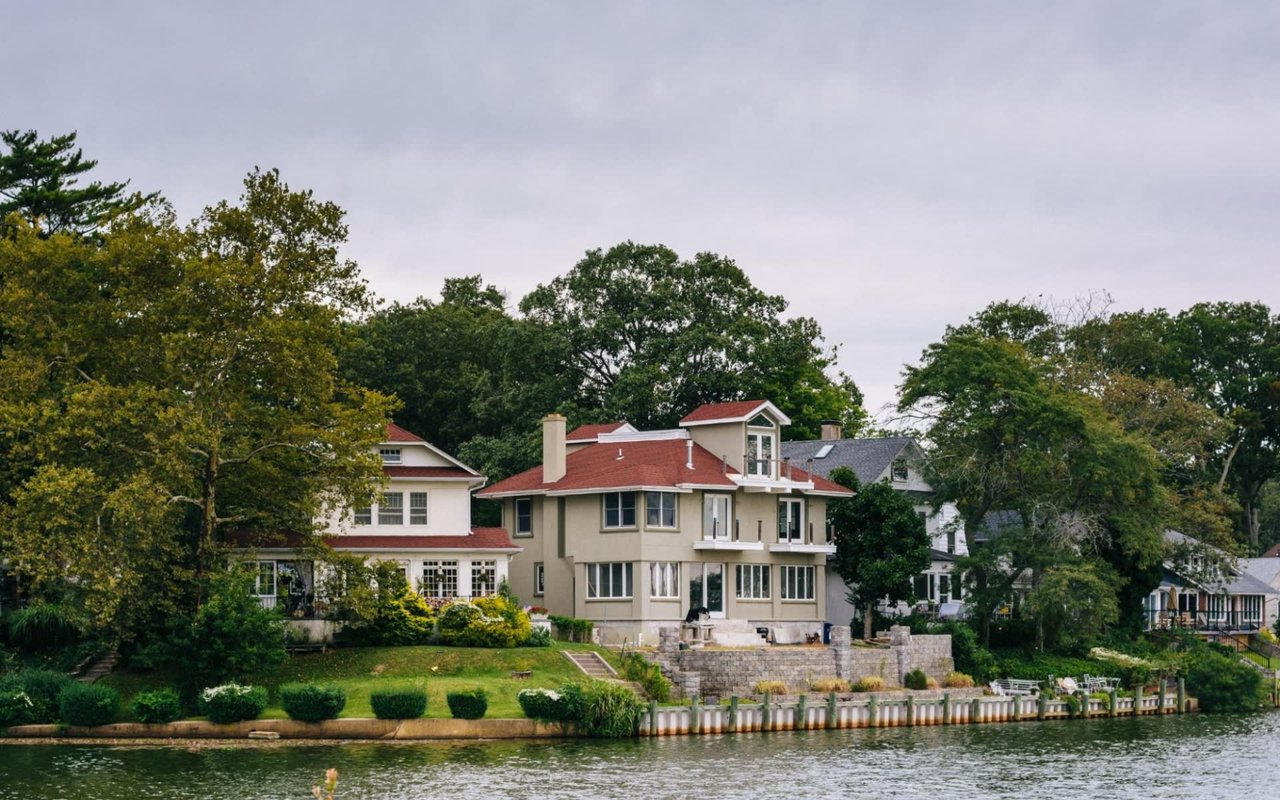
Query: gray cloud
[(890, 168)]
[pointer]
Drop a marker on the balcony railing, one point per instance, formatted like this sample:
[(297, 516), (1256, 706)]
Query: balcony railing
[(1204, 621)]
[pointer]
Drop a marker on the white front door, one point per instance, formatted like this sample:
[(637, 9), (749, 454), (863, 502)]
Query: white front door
[(706, 588)]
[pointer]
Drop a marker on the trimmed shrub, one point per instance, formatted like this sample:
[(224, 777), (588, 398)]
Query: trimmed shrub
[(161, 705), (602, 708), (43, 689), (571, 629), (649, 675), (538, 637), (88, 704), (312, 702), (868, 683), (1222, 684), (828, 685), (915, 679), (468, 704), (544, 705), (957, 680), (232, 702), (406, 703), (772, 687)]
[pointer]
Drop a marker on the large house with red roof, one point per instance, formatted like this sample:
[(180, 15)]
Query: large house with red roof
[(421, 520), (635, 529)]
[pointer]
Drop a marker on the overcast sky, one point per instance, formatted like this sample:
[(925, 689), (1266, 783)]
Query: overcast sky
[(888, 167)]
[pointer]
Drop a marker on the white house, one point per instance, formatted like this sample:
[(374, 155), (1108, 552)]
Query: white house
[(421, 521)]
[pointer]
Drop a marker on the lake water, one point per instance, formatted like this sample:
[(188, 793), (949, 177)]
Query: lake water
[(1186, 757)]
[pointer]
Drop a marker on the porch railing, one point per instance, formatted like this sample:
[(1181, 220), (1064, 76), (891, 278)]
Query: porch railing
[(1203, 621)]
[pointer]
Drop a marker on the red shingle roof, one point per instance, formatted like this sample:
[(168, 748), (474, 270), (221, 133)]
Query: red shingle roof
[(714, 411), (478, 539), (646, 463), (426, 472), (589, 433), (397, 434)]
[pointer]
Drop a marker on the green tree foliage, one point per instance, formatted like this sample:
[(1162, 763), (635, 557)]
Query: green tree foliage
[(165, 384), (881, 543), (38, 180), (1074, 605), (650, 336)]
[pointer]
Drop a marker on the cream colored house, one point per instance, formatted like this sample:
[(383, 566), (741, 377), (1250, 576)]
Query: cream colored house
[(634, 529), (421, 520)]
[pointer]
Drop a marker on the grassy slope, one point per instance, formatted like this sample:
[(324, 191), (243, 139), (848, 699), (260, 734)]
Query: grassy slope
[(442, 669)]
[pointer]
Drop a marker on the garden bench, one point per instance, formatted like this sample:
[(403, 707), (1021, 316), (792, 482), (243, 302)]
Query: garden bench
[(1015, 686)]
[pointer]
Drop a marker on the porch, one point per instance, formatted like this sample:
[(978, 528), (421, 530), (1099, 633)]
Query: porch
[(1206, 622)]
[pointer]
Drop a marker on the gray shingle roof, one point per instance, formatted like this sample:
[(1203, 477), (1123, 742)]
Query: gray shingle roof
[(868, 458)]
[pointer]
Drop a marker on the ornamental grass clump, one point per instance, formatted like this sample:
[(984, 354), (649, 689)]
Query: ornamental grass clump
[(232, 702), (915, 679), (770, 687), (160, 705), (88, 704), (468, 704), (398, 703), (312, 702), (828, 685), (649, 675), (602, 708), (868, 683), (957, 680)]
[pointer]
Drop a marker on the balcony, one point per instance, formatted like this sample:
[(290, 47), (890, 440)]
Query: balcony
[(715, 539)]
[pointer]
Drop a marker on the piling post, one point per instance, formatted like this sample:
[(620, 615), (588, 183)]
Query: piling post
[(766, 712), (733, 714), (1111, 703), (1182, 695), (832, 722), (1017, 707), (946, 709), (872, 713), (911, 711), (975, 710), (1137, 701), (798, 715), (653, 717), (1160, 696), (1042, 710), (695, 715)]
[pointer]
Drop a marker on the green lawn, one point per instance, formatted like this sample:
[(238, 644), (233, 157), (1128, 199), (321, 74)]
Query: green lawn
[(360, 670)]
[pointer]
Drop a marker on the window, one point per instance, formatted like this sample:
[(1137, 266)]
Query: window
[(524, 516), (760, 454), (608, 581), (790, 527), (440, 579), (1251, 608), (957, 587), (539, 579), (364, 516), (900, 471), (753, 581), (417, 508), (664, 579), (264, 577), (797, 583), (951, 539), (1217, 608), (715, 516), (944, 587), (484, 578), (920, 587), (660, 509), (620, 510), (391, 509), (390, 455)]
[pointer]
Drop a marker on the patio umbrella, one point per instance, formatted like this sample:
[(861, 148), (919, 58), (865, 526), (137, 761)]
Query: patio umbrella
[(1173, 598)]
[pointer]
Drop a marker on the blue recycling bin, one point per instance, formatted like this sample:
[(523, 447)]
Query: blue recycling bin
[(826, 633)]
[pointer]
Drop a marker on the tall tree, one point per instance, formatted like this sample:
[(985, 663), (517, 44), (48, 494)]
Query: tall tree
[(881, 544), (651, 336), (38, 179), (165, 384)]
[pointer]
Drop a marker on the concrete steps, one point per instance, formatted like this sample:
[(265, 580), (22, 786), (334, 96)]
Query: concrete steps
[(97, 669), (591, 664)]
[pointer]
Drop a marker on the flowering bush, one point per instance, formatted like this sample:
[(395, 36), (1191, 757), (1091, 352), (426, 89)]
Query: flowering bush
[(16, 707), (485, 622), (232, 702), (544, 705)]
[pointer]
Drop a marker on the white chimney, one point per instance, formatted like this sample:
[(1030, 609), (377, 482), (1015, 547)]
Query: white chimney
[(832, 430), (688, 449), (553, 448)]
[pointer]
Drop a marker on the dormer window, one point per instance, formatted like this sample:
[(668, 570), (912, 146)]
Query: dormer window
[(760, 421), (900, 470), (390, 455)]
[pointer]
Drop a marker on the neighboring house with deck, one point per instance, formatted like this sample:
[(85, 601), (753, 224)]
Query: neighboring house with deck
[(421, 520), (635, 529), (896, 460), (1211, 593)]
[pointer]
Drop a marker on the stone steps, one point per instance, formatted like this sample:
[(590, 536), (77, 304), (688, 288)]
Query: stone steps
[(591, 663), (97, 669)]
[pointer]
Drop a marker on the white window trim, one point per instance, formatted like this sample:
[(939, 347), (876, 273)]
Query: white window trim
[(797, 505), (426, 508), (707, 534), (671, 578), (539, 579), (627, 575), (663, 498), (796, 570), (758, 580), (621, 526), (379, 511), (391, 455)]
